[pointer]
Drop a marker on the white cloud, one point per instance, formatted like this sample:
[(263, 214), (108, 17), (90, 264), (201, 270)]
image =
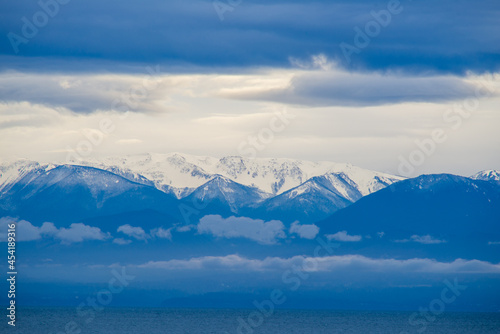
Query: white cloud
[(48, 229), (133, 232), (121, 241), (327, 264), (343, 236), (494, 243), (162, 233), (24, 230), (138, 233), (304, 231), (209, 262), (424, 239), (242, 227), (77, 232), (185, 228)]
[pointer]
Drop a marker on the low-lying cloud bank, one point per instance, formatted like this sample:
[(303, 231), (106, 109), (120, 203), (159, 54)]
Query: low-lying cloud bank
[(423, 239), (306, 231), (326, 264), (241, 227), (258, 230), (138, 233), (77, 232), (343, 236)]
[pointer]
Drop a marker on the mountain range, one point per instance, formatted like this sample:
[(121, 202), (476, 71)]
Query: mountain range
[(266, 188), (216, 232), (370, 212)]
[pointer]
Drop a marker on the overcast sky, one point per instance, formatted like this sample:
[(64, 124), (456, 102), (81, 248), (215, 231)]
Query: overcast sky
[(365, 82)]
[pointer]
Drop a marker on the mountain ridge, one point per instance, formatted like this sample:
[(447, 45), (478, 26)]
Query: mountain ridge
[(231, 185), (220, 189), (182, 173), (442, 210)]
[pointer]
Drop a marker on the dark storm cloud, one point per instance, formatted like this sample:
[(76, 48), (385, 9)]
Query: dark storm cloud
[(437, 36), (342, 88), (85, 93)]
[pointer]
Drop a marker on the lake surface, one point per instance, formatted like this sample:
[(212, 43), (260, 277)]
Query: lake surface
[(187, 321)]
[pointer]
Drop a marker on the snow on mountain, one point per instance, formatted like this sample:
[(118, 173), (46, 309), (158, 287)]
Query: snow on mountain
[(322, 195), (284, 187), (68, 192), (337, 183), (12, 172), (182, 173), (100, 184), (487, 175), (276, 176), (311, 201), (227, 192), (171, 173)]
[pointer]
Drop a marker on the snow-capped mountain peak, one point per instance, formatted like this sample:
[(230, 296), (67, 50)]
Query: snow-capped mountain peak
[(13, 171), (182, 173), (274, 188), (487, 175)]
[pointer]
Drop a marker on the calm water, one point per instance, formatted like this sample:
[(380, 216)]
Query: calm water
[(183, 321)]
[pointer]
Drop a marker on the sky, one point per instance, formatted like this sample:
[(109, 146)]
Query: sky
[(405, 87)]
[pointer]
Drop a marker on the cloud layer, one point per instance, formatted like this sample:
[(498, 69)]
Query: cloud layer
[(304, 231), (77, 232), (133, 232), (326, 264), (423, 239), (425, 35), (343, 236), (241, 227), (89, 92), (138, 233), (328, 85), (316, 82), (46, 116)]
